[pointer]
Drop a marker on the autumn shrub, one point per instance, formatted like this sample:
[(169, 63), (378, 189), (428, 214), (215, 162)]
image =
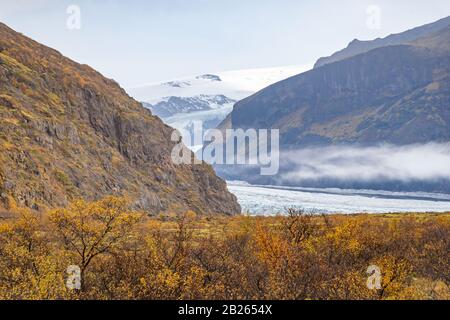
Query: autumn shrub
[(123, 254)]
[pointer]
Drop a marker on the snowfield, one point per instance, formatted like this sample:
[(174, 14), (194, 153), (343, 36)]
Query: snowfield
[(236, 85), (208, 98), (269, 200)]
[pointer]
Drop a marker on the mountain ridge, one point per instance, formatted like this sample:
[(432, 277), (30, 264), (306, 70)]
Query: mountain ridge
[(358, 47)]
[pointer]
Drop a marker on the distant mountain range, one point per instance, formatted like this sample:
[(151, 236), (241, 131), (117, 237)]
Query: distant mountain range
[(394, 90)]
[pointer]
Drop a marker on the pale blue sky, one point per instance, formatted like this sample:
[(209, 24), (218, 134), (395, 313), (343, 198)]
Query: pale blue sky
[(137, 41)]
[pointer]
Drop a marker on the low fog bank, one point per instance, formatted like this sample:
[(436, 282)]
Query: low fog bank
[(424, 167), (429, 162)]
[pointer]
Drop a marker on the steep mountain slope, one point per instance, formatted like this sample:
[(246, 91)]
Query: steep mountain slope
[(395, 94), (67, 132), (357, 47)]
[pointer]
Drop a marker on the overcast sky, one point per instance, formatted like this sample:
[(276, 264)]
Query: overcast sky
[(141, 41)]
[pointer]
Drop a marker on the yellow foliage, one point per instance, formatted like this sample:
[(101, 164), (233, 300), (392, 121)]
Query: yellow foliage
[(124, 255)]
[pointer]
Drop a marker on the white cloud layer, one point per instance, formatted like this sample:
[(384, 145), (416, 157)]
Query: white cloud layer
[(426, 162)]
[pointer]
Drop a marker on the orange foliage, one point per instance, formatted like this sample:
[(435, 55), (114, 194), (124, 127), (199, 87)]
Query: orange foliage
[(125, 255)]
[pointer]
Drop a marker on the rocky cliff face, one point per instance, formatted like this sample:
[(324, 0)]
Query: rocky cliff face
[(67, 132)]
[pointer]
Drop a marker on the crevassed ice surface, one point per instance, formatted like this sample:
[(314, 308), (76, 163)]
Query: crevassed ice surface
[(269, 200)]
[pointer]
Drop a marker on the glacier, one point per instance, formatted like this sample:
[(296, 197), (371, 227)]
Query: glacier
[(274, 200), (208, 98)]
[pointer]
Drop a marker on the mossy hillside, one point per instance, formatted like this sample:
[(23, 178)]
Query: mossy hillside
[(67, 132)]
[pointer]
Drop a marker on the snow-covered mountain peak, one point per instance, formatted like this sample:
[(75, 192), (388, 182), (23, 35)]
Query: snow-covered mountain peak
[(235, 85), (208, 98), (177, 84), (210, 77)]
